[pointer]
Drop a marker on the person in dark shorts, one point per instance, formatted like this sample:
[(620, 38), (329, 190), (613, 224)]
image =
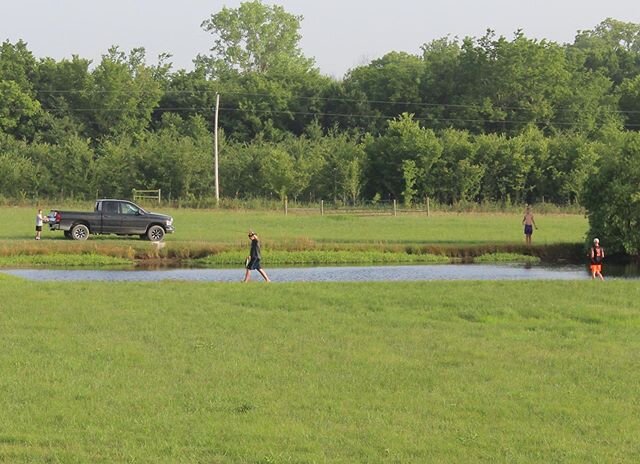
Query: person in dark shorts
[(253, 260), (596, 255), (40, 219), (529, 224)]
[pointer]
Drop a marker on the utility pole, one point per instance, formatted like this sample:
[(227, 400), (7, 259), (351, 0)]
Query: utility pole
[(215, 148)]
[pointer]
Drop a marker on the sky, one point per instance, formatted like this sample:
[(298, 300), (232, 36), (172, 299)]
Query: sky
[(338, 34)]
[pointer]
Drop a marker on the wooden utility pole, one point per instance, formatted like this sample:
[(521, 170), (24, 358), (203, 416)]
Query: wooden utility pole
[(215, 148)]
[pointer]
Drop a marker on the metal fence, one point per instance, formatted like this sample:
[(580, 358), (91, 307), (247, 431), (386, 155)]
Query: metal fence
[(377, 208), (144, 195)]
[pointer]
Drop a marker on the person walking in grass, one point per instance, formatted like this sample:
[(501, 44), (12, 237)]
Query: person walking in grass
[(253, 260), (40, 219), (529, 224), (596, 256)]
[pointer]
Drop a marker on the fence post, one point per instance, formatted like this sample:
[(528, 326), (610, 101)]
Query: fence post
[(286, 206), (133, 193), (395, 208), (159, 196), (321, 207), (428, 212)]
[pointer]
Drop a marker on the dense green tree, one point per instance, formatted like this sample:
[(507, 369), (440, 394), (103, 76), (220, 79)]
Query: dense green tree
[(506, 166), (270, 105), (455, 176), (18, 64), (278, 171), (503, 86), (612, 47), (116, 168), (587, 105), (268, 86), (341, 174), (63, 91), (20, 112), (16, 108), (124, 95), (391, 85), (240, 175), (18, 175), (349, 109), (73, 167), (253, 38), (572, 159), (629, 92), (440, 80), (410, 175), (612, 194), (39, 155), (535, 147), (189, 94), (308, 159), (403, 140), (66, 169), (181, 166)]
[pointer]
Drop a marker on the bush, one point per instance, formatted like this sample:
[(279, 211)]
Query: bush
[(612, 195)]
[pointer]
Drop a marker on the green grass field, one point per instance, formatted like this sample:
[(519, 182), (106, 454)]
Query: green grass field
[(230, 227), (206, 233), (517, 372)]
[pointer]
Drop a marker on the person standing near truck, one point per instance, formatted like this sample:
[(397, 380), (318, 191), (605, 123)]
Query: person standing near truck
[(253, 260), (40, 219)]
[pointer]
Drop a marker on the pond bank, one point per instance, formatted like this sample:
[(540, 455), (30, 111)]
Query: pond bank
[(179, 254)]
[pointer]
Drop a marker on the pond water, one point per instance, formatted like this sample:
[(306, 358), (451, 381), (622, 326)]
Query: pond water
[(333, 274)]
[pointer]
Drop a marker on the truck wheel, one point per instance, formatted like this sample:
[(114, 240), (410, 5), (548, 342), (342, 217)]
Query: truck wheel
[(155, 233), (80, 232)]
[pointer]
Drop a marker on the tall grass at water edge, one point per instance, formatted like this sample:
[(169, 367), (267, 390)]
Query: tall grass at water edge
[(435, 372), (326, 257)]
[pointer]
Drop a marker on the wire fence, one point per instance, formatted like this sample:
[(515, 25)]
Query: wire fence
[(362, 208), (321, 207)]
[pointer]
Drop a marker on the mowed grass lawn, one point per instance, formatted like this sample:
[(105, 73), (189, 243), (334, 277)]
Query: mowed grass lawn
[(230, 227), (424, 372)]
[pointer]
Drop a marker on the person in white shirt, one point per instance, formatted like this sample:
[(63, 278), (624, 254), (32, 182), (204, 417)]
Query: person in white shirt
[(40, 219)]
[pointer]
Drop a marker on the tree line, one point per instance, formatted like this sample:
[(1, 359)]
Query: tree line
[(475, 119)]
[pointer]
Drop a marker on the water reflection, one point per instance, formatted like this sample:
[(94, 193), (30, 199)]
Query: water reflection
[(630, 270), (326, 274)]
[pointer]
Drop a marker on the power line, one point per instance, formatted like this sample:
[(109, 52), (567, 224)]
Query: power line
[(333, 99), (434, 120)]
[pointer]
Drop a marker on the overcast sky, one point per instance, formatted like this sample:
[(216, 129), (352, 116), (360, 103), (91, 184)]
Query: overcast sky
[(338, 34)]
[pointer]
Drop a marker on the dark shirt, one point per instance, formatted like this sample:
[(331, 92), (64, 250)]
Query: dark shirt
[(597, 255), (255, 249)]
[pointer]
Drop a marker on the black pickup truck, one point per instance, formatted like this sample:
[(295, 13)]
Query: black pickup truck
[(119, 217)]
